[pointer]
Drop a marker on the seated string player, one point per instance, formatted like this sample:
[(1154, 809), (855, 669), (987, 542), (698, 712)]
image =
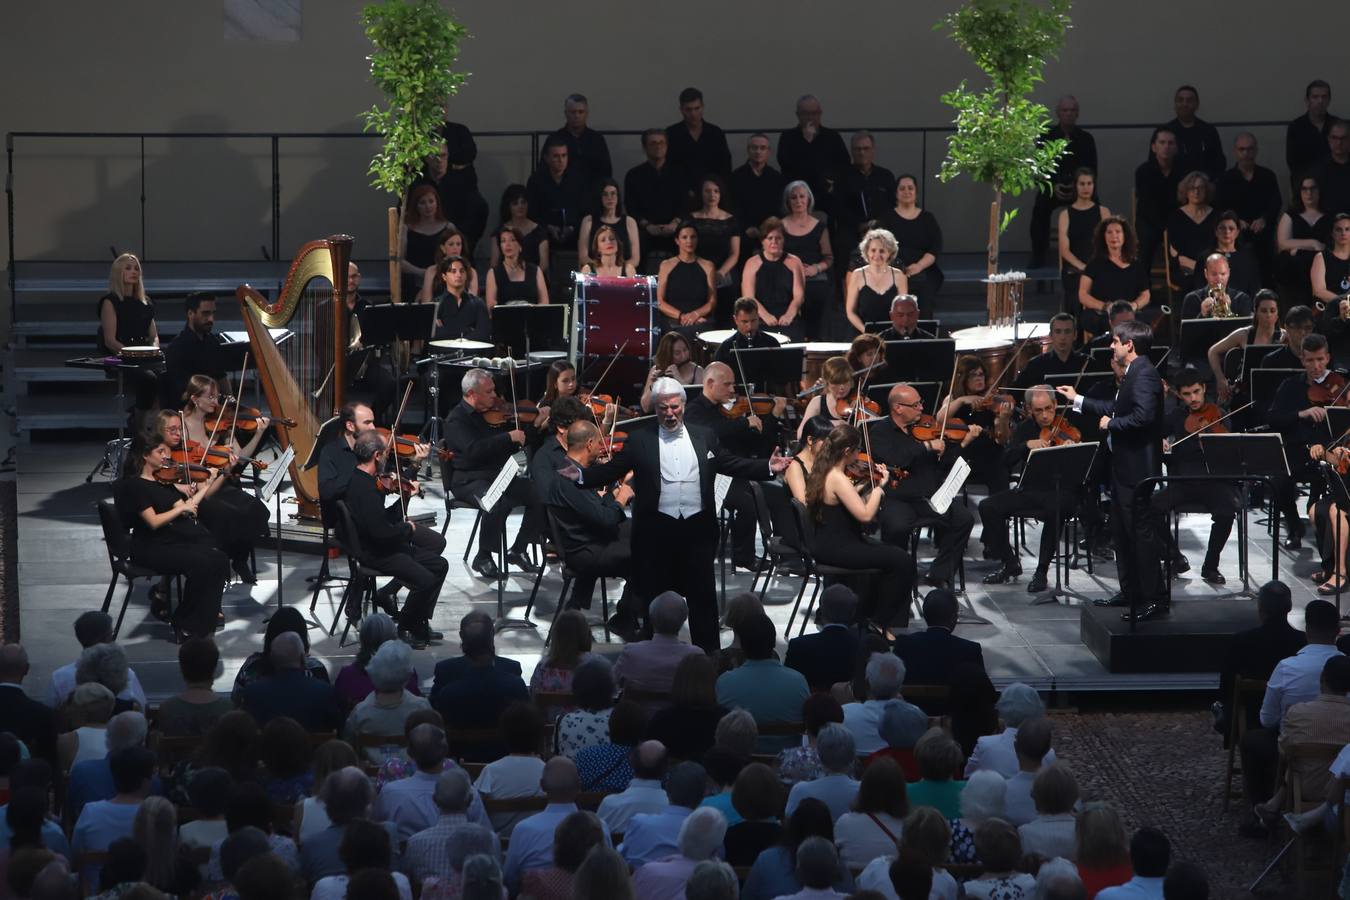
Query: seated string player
[(1181, 452), (1298, 413)]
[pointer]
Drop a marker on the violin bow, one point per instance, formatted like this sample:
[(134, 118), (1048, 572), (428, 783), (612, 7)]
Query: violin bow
[(596, 389), (740, 367), (393, 441), (183, 439), (235, 421), (1059, 417), (947, 410), (1211, 424), (511, 373), (1007, 364)]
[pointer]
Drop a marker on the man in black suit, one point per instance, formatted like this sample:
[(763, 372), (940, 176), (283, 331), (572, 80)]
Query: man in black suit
[(828, 656), (195, 350), (674, 511), (1134, 422), (389, 543), (933, 655), (1254, 653), (481, 689), (456, 667), (27, 719), (289, 691), (480, 451)]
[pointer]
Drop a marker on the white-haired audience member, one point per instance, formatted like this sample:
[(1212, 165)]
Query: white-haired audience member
[(1016, 704), (655, 835), (91, 629), (1057, 879), (885, 673), (385, 710), (1033, 746), (982, 798), (650, 665), (699, 839), (837, 788), (712, 879), (91, 706)]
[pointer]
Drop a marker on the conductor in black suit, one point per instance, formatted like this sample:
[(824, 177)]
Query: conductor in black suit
[(1134, 425), (830, 655), (674, 510), (933, 656)]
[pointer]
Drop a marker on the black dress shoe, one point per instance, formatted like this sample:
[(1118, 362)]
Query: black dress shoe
[(412, 639), (1294, 541), (433, 635), (1006, 573), (245, 573), (1114, 600), (485, 566), (522, 562), (1039, 584), (748, 565), (1180, 565), (1212, 576), (1148, 613), (935, 582), (626, 629), (384, 599)]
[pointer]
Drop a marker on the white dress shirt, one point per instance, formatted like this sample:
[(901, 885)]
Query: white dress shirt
[(877, 877), (1296, 679), (409, 804), (63, 685), (531, 845), (681, 496), (643, 795), (995, 753), (1050, 836), (652, 836), (1136, 888)]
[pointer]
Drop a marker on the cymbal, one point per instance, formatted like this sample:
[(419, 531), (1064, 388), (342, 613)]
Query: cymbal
[(459, 344)]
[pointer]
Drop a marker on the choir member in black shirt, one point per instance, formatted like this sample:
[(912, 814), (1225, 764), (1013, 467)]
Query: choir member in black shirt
[(459, 314), (917, 232), (1330, 281), (656, 193), (1302, 425), (1182, 453), (479, 453), (1155, 188), (461, 200), (1243, 272), (127, 319), (999, 506), (195, 350), (388, 544), (1202, 302), (1333, 172), (1198, 145), (904, 317), (1190, 227), (745, 317), (697, 148), (1253, 192), (812, 152), (1060, 359), (907, 505), (1305, 140), (1115, 272), (1081, 153), (756, 190), (862, 193), (586, 147), (557, 193)]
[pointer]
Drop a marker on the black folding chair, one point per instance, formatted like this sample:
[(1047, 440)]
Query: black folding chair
[(778, 531), (118, 541), (360, 592), (569, 576), (814, 570)]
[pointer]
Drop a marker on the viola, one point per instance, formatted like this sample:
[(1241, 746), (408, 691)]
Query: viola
[(1059, 433), (524, 412), (756, 404), (404, 444), (846, 407), (179, 473), (927, 428), (1206, 417), (1330, 392)]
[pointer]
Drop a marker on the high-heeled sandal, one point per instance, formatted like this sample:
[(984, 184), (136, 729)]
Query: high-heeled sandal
[(1320, 577), (1327, 589)]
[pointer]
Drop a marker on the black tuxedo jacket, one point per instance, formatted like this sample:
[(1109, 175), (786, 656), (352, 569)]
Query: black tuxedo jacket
[(448, 670), (480, 450), (932, 656), (824, 658), (1137, 423), (29, 721), (309, 701)]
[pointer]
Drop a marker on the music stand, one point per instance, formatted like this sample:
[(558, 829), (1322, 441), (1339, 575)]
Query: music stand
[(767, 365), (1051, 469), (271, 489), (1198, 335), (526, 327), (918, 359), (1251, 356), (1250, 457)]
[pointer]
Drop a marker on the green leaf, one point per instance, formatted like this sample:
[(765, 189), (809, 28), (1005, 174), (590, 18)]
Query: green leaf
[(1008, 216)]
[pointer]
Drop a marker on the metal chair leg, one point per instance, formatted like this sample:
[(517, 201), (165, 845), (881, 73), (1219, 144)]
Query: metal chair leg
[(787, 632), (811, 605), (107, 598), (604, 605), (126, 599), (562, 605), (473, 532)]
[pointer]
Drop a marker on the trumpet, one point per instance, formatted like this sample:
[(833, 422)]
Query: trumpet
[(1223, 306)]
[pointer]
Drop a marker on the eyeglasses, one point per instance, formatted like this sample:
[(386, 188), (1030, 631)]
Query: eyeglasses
[(918, 405)]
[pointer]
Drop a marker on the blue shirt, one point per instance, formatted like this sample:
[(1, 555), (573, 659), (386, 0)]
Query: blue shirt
[(768, 691), (722, 803), (835, 791), (773, 875), (652, 836), (53, 838), (92, 780), (101, 823)]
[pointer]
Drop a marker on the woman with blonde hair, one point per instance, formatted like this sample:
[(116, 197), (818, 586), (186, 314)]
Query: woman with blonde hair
[(1103, 850), (836, 378), (1190, 227), (126, 318), (168, 864), (871, 287)]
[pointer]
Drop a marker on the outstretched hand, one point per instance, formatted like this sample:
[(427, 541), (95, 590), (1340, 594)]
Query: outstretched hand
[(778, 462)]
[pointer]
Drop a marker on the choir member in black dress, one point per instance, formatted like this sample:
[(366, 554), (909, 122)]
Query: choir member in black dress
[(452, 244), (1198, 146), (457, 187), (557, 193), (514, 279), (1264, 331), (166, 536), (907, 509), (863, 192), (1302, 425), (515, 212), (756, 189), (419, 235), (904, 318), (1115, 272), (811, 152), (460, 314), (1060, 359), (697, 147), (1330, 279), (1077, 224), (839, 512), (586, 147), (1190, 227), (777, 281), (999, 506), (917, 232), (656, 193), (1333, 172), (719, 232), (871, 288), (1209, 299), (1243, 272), (1155, 190), (968, 402), (1305, 140), (745, 317), (1303, 232), (1253, 192), (605, 255), (194, 350), (1183, 457), (126, 318), (608, 210), (1080, 153), (806, 237), (685, 294)]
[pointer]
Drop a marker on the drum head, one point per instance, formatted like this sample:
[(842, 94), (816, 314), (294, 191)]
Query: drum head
[(547, 356), (459, 344)]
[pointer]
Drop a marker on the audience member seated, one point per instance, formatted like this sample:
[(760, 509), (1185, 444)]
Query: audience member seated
[(455, 667), (982, 799), (650, 665), (774, 873), (1001, 853), (89, 709), (817, 869), (837, 787), (700, 837), (652, 836), (723, 765), (104, 821), (250, 810), (688, 726), (826, 657), (1150, 853), (516, 774), (193, 711), (758, 799), (478, 687), (1255, 652), (124, 870), (169, 866), (607, 766), (353, 683), (930, 656), (410, 802), (603, 875), (35, 776), (873, 825), (762, 685), (642, 791), (532, 840), (384, 711), (258, 664), (463, 843), (91, 629), (569, 644), (346, 796), (365, 846), (26, 719), (264, 877), (311, 815), (106, 664), (573, 840), (803, 763), (884, 674), (1032, 746), (231, 744), (284, 748), (400, 765), (588, 724), (911, 878), (740, 609), (902, 725), (939, 758), (209, 793), (425, 851), (996, 752), (1051, 833), (289, 691), (1323, 719), (230, 855), (927, 834), (1101, 848)]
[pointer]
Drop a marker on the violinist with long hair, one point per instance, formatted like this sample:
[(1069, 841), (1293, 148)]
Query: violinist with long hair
[(837, 386), (166, 536), (816, 429), (1330, 522), (839, 511), (971, 400), (1297, 412), (559, 381)]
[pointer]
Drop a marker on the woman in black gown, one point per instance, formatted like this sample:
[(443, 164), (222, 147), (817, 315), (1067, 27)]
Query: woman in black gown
[(1303, 232), (1077, 223), (917, 232), (514, 278), (775, 280), (685, 293), (1190, 227), (806, 237), (515, 212), (420, 235), (127, 319)]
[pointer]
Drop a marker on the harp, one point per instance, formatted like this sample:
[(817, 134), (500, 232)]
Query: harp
[(305, 377)]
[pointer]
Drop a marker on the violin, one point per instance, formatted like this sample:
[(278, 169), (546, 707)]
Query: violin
[(404, 444), (756, 404), (863, 471), (1330, 392), (1002, 404), (1206, 417), (1339, 459), (388, 484), (180, 473), (524, 412), (1059, 432), (599, 403), (245, 420), (926, 428), (215, 457), (846, 407), (613, 443)]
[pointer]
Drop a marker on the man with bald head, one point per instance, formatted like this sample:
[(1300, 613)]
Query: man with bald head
[(905, 321), (650, 665), (290, 692), (1200, 303), (531, 844), (28, 720), (906, 506), (1253, 192), (1081, 153), (644, 793)]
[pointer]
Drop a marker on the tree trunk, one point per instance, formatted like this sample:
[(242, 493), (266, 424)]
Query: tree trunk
[(995, 214), (395, 279)]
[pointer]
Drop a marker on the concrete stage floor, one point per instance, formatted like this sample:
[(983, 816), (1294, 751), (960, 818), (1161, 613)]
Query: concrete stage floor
[(63, 570)]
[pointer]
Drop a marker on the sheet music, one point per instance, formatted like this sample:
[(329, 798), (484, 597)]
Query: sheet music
[(721, 484), (241, 337), (942, 498), (499, 485), (275, 473)]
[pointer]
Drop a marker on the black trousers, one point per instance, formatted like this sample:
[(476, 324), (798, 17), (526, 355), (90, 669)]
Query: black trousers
[(519, 493), (888, 595), (1285, 491), (997, 509), (900, 517), (205, 568), (421, 567), (236, 518), (741, 503), (1137, 543), (1219, 500), (672, 554), (610, 559), (1260, 752)]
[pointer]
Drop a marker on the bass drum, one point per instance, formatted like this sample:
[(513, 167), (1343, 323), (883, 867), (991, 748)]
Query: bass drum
[(614, 324)]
